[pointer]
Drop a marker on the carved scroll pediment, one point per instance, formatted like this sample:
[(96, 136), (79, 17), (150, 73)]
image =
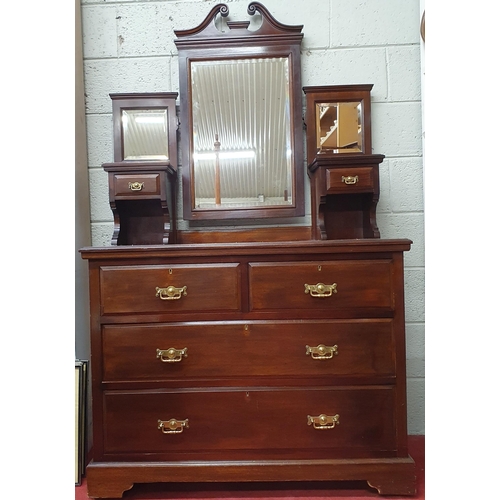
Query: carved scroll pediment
[(270, 27)]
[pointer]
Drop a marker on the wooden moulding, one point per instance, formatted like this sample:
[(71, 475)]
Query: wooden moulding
[(183, 251), (389, 476)]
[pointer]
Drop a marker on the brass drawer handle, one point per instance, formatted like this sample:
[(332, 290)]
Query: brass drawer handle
[(171, 355), (136, 186), (323, 421), (172, 426), (350, 179), (171, 292), (321, 290), (322, 351)]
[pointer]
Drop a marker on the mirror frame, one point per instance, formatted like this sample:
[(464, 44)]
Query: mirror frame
[(337, 93), (206, 42), (146, 101)]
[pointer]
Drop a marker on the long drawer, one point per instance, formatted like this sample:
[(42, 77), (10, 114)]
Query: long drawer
[(237, 350), (160, 289), (321, 285), (210, 423)]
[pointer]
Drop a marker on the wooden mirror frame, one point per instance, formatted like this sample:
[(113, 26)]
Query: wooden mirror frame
[(206, 42), (339, 94), (145, 101)]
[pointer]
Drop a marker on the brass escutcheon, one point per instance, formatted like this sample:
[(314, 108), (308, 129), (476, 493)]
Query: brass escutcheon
[(171, 292), (350, 179), (323, 421), (135, 186), (171, 355), (322, 351), (321, 290), (173, 426)]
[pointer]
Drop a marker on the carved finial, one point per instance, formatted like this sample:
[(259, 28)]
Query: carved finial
[(207, 24), (254, 7)]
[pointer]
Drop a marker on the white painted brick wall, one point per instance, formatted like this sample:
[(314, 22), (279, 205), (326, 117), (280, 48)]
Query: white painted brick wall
[(129, 47)]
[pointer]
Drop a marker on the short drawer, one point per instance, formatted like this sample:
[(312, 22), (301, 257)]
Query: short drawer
[(212, 422), (137, 185), (236, 351), (315, 286), (168, 289), (350, 180)]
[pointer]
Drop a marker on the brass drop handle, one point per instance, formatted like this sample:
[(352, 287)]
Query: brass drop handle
[(136, 186), (321, 290), (172, 426), (323, 422), (350, 179), (171, 355), (171, 292), (322, 351)]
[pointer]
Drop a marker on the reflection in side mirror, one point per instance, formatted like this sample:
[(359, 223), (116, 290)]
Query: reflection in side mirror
[(339, 127), (145, 134)]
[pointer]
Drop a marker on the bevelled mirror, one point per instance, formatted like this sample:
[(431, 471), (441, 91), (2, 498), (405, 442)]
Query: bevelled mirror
[(145, 134), (241, 117), (339, 127), (145, 127), (338, 119)]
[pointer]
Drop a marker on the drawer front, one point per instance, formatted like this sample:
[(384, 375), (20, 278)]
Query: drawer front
[(237, 351), (127, 185), (350, 180), (358, 421), (167, 289), (313, 286)]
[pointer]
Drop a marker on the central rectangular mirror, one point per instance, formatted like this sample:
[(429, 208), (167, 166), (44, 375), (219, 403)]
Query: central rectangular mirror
[(241, 118), (241, 133)]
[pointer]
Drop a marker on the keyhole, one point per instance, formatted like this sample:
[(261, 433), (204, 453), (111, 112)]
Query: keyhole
[(319, 268)]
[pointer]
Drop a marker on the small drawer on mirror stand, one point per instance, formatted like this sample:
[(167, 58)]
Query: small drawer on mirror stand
[(135, 185), (350, 180)]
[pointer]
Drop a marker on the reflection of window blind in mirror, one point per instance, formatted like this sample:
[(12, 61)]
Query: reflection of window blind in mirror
[(245, 103), (145, 134)]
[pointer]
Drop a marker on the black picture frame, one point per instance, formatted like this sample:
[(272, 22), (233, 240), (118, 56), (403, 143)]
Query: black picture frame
[(80, 418)]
